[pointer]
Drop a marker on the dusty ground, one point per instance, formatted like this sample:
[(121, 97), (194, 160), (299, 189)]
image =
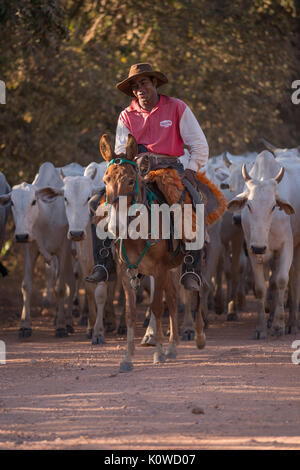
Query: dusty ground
[(237, 393)]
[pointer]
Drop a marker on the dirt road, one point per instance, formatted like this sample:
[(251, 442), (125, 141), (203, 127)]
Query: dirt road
[(237, 393)]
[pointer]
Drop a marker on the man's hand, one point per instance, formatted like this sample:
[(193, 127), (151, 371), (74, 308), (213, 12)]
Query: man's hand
[(190, 175)]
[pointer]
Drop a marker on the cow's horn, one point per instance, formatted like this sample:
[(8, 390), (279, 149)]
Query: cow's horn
[(279, 176), (245, 173)]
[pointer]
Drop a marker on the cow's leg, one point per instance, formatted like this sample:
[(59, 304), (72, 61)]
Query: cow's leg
[(70, 281), (293, 321), (100, 298), (109, 310), (219, 294), (241, 288), (260, 294), (199, 326), (188, 333), (171, 299), (61, 326), (236, 243), (149, 338), (31, 254), (90, 308), (130, 306), (48, 294), (157, 308), (281, 280)]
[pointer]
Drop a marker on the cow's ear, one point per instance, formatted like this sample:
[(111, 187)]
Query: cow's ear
[(285, 206), (106, 148), (48, 194), (131, 147), (237, 203), (5, 199)]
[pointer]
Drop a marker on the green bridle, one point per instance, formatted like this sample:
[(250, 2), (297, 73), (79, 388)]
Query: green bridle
[(150, 196)]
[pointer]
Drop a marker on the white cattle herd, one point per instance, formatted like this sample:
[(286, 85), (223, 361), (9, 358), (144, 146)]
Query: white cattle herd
[(256, 242)]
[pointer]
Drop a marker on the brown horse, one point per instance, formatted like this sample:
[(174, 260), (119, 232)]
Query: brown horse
[(140, 256)]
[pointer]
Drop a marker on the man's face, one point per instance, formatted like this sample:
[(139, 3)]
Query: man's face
[(144, 89)]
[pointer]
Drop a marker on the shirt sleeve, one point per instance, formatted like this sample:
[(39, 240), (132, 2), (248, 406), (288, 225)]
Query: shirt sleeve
[(194, 138), (121, 137)]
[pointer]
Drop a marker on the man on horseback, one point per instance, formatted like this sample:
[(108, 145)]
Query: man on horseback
[(161, 125)]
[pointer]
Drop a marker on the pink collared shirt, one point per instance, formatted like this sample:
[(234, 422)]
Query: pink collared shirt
[(164, 130)]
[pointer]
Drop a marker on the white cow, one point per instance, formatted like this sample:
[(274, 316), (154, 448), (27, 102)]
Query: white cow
[(43, 228), (4, 211), (77, 192), (282, 152), (271, 230), (232, 237)]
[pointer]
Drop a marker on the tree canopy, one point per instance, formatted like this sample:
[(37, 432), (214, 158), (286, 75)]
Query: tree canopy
[(233, 63)]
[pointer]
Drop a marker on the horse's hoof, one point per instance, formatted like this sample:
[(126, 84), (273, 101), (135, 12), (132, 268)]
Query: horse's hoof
[(98, 339), (159, 358), (171, 355), (126, 366), (61, 332), (25, 332), (259, 335), (188, 335), (70, 329), (232, 317), (122, 330), (148, 340)]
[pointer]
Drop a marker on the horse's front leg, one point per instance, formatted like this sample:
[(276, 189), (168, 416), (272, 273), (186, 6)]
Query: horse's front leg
[(157, 309), (130, 310), (171, 298)]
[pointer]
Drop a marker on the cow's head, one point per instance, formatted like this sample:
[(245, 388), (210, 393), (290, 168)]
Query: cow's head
[(258, 202), (77, 192), (25, 209)]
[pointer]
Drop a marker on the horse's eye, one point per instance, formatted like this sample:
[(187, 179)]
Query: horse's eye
[(33, 202), (249, 207), (107, 179), (273, 208), (131, 182)]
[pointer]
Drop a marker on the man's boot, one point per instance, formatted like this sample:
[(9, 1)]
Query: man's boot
[(105, 267)]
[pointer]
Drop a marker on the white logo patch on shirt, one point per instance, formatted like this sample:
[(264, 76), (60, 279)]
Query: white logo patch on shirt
[(166, 123)]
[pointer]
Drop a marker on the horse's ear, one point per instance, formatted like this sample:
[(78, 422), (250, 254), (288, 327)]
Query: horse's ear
[(106, 148), (131, 147)]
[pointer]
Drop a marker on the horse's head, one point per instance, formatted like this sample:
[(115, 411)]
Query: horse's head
[(121, 177)]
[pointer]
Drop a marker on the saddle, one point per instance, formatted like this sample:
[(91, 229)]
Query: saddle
[(163, 175)]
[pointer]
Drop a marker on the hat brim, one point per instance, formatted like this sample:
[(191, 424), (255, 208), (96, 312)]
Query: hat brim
[(125, 86)]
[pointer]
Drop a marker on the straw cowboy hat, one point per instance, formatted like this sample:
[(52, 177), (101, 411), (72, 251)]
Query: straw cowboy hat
[(137, 70)]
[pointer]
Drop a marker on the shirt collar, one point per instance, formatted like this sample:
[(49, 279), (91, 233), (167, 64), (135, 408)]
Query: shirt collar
[(134, 106)]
